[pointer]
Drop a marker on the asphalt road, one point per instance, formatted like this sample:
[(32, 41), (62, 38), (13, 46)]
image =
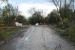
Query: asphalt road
[(38, 38)]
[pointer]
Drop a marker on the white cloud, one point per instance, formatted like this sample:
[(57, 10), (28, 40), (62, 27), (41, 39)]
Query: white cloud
[(25, 7)]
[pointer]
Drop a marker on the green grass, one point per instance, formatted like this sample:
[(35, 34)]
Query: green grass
[(6, 33)]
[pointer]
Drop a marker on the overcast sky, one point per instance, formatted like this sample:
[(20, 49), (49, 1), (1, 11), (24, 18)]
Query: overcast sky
[(25, 5)]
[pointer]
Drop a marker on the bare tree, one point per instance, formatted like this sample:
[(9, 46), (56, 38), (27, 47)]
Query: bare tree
[(60, 3)]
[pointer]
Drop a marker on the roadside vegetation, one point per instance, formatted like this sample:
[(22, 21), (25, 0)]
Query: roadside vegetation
[(9, 15), (63, 19)]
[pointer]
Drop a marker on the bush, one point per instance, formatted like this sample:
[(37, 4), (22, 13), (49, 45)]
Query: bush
[(70, 33)]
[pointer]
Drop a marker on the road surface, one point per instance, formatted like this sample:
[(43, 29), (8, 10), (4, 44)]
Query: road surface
[(38, 38)]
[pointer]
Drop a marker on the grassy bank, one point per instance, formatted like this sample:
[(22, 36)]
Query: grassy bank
[(7, 32)]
